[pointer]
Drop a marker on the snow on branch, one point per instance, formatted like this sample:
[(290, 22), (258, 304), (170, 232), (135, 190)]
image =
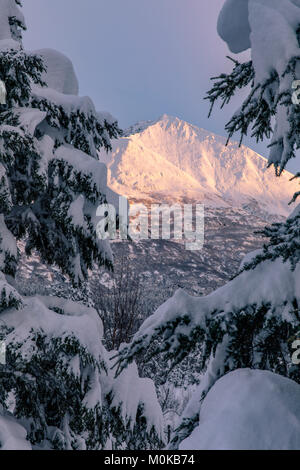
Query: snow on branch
[(269, 110)]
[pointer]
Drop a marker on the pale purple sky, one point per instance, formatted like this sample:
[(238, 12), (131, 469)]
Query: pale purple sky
[(139, 59)]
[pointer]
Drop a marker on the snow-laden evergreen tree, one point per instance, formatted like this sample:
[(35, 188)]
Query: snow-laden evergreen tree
[(252, 321), (57, 390)]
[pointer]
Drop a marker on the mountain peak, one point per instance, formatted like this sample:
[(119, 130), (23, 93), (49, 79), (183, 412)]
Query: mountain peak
[(164, 119), (173, 123), (170, 119), (172, 157)]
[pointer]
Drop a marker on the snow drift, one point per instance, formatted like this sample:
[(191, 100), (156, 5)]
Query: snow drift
[(249, 410), (12, 434)]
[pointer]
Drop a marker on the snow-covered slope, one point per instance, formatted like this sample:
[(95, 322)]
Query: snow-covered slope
[(172, 157)]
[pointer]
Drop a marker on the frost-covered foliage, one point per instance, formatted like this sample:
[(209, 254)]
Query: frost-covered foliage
[(271, 28), (57, 390), (284, 243), (138, 420), (250, 322), (51, 182), (64, 393), (50, 187), (253, 320)]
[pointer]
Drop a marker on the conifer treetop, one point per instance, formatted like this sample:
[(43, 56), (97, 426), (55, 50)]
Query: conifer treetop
[(52, 182)]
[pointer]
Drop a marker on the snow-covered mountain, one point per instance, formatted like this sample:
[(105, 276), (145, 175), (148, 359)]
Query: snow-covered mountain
[(171, 157), (168, 161)]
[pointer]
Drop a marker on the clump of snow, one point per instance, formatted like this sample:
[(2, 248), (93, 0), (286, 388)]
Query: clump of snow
[(46, 151), (274, 42), (90, 167), (106, 116), (259, 24), (97, 172), (9, 9), (269, 21), (130, 392), (8, 291), (60, 73), (83, 163), (29, 118), (79, 321), (76, 212), (233, 25), (249, 410), (250, 257), (12, 434), (70, 103)]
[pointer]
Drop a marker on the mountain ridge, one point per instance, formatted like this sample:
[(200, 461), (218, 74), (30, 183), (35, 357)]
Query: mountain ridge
[(172, 157)]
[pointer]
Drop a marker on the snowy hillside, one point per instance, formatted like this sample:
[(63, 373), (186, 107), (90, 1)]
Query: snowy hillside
[(172, 157)]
